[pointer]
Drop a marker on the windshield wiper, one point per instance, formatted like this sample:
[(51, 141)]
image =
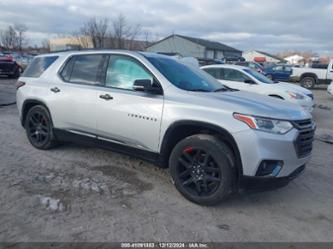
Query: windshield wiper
[(225, 89), (222, 89), (198, 90)]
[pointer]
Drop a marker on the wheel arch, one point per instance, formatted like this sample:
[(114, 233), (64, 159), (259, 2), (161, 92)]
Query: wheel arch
[(182, 129), (28, 104), (312, 75)]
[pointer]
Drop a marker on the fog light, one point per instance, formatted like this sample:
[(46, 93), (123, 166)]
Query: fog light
[(269, 168)]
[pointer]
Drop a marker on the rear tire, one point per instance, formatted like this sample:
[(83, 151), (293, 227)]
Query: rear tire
[(39, 128), (202, 168), (308, 82)]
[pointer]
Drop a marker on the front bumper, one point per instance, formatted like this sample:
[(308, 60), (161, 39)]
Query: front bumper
[(257, 146), (263, 183)]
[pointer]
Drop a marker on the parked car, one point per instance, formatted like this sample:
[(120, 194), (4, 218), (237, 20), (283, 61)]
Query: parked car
[(9, 67), (310, 77), (253, 65), (213, 139), (330, 88), (279, 72), (246, 79)]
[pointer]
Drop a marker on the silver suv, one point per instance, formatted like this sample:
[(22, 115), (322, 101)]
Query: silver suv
[(213, 139)]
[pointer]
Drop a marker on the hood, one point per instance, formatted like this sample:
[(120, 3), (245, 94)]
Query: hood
[(256, 104), (293, 87)]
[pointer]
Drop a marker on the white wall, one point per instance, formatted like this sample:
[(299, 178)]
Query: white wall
[(250, 55)]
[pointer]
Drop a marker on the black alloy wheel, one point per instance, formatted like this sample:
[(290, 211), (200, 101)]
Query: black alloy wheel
[(39, 127), (202, 168), (198, 172)]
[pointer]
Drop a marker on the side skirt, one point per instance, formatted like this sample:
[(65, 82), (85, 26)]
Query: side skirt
[(151, 157)]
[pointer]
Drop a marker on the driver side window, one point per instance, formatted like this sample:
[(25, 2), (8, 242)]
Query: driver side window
[(123, 71), (234, 75)]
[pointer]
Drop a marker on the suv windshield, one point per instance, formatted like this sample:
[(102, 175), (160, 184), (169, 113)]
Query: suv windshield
[(186, 77), (262, 78)]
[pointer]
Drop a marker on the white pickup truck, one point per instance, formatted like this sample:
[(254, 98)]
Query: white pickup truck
[(309, 77)]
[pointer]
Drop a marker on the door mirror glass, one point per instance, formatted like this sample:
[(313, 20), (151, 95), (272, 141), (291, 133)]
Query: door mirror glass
[(146, 85), (248, 81)]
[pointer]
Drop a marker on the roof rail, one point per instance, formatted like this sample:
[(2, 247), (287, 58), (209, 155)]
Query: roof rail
[(86, 49)]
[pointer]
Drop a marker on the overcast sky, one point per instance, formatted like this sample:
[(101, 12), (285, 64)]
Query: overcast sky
[(267, 25)]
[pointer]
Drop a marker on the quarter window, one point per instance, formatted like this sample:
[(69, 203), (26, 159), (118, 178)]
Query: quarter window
[(38, 66), (122, 71)]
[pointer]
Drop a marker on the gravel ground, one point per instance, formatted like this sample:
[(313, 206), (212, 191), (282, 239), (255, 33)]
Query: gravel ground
[(76, 193)]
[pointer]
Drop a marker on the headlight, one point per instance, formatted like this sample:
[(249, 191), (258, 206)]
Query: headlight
[(294, 95), (265, 124)]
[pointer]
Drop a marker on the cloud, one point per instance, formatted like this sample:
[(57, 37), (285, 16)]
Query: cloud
[(257, 24)]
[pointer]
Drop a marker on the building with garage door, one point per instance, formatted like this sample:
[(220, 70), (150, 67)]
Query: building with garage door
[(193, 47)]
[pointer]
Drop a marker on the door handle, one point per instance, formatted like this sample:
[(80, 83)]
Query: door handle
[(106, 97), (55, 89)]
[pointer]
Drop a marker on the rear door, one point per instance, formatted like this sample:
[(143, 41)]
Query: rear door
[(126, 116), (74, 94)]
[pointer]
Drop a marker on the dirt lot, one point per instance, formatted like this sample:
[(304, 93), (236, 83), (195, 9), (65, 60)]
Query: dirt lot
[(76, 193)]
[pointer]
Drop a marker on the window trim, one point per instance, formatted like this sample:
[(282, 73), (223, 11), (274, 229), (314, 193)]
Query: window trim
[(155, 80), (102, 72), (99, 73)]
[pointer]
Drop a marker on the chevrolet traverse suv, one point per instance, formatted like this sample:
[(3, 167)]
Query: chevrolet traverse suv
[(213, 139)]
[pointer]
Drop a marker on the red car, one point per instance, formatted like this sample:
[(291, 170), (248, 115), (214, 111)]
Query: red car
[(9, 67)]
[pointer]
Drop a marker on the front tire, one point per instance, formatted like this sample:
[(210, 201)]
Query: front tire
[(39, 128), (202, 168), (308, 82)]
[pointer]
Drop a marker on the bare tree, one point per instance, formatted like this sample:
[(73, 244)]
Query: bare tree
[(124, 33), (84, 40), (9, 38), (46, 45), (20, 35), (96, 30)]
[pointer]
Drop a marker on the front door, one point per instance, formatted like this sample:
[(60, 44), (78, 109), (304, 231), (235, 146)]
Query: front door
[(126, 116), (235, 79)]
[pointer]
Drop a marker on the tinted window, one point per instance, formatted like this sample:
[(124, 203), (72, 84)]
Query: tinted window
[(67, 70), (278, 68), (234, 75), (122, 71), (262, 78), (215, 72), (84, 69), (186, 77), (38, 66)]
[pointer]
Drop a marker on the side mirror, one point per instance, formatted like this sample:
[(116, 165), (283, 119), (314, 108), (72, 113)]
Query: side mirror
[(147, 85), (251, 82)]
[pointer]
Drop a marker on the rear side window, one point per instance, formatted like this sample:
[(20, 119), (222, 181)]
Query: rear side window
[(38, 66), (85, 69)]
